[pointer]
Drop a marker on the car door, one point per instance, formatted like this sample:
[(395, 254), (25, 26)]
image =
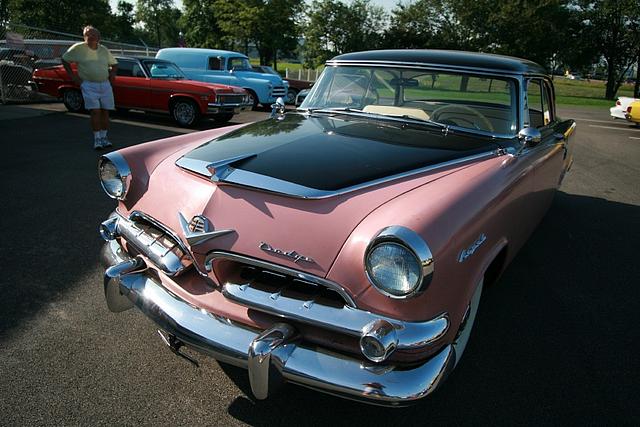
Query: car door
[(131, 87), (549, 155), (217, 66)]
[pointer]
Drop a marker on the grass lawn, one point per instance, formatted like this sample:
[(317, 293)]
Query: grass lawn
[(587, 93)]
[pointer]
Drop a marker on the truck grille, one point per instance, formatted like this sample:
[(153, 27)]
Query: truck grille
[(279, 91), (148, 237)]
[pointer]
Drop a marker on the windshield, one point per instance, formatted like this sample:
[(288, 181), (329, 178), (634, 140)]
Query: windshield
[(484, 103), (239, 64), (163, 70)]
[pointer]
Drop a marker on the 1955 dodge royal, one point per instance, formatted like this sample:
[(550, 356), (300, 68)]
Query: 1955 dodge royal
[(344, 246)]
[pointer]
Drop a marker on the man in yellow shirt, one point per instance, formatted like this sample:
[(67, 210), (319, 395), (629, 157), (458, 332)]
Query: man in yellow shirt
[(96, 72)]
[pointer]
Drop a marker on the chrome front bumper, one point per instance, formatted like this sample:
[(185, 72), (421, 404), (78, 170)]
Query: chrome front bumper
[(271, 356)]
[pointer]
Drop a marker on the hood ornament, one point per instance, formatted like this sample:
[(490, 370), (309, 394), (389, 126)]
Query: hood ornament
[(295, 256), (199, 229), (278, 109)]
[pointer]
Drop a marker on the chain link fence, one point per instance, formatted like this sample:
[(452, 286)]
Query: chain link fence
[(24, 48)]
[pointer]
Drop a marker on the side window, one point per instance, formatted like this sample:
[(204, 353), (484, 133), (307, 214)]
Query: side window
[(125, 68), (215, 63), (535, 107), (137, 71)]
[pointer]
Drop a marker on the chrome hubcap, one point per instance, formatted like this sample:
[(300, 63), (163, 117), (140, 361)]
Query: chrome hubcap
[(73, 99), (184, 113)]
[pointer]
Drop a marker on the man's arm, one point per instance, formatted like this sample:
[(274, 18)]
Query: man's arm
[(67, 66), (112, 73)]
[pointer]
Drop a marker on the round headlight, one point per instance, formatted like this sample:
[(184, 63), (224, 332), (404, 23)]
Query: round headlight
[(398, 262), (393, 268), (114, 174)]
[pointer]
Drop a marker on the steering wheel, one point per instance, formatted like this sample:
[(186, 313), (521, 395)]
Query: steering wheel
[(451, 113)]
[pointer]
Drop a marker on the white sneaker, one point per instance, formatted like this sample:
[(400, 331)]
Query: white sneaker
[(105, 142)]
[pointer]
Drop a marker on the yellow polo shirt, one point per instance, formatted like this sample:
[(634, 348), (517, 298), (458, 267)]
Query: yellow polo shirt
[(93, 65)]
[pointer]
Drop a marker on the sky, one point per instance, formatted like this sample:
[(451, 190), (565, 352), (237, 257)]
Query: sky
[(386, 4)]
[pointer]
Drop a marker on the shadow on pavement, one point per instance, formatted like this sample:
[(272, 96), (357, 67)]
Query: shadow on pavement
[(52, 207), (554, 336)]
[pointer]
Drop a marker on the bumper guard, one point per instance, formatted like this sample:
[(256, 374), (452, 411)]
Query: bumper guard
[(272, 356)]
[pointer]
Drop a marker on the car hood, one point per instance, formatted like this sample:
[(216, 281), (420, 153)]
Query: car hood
[(314, 156), (315, 228), (271, 78)]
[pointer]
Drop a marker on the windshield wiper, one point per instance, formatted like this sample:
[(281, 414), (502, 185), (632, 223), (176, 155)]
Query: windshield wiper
[(394, 117)]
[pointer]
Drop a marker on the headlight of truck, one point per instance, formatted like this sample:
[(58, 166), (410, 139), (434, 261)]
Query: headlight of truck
[(115, 175), (398, 262)]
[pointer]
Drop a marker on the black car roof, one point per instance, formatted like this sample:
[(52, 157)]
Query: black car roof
[(443, 59)]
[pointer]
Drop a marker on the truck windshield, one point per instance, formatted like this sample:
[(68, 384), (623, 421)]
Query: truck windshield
[(475, 102), (239, 64)]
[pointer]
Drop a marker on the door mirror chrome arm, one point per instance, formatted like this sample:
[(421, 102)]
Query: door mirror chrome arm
[(529, 137)]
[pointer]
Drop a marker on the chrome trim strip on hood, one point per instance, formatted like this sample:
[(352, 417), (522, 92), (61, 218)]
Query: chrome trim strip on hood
[(245, 178)]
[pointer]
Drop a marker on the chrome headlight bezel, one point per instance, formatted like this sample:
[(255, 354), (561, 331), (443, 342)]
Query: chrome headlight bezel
[(123, 174), (414, 244)]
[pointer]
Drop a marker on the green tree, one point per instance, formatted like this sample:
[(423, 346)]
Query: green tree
[(200, 23), (615, 29), (334, 28), (61, 15), (276, 29), (121, 27), (426, 24), (161, 19)]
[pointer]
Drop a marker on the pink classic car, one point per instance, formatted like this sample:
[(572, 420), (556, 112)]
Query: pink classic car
[(343, 246)]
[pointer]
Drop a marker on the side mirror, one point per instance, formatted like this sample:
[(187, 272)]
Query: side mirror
[(530, 137)]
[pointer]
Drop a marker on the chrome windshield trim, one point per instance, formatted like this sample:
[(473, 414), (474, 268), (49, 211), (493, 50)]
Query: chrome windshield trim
[(347, 320), (423, 65), (278, 186), (280, 269)]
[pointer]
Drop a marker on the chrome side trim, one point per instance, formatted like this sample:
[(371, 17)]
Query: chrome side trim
[(311, 367), (411, 240), (278, 186), (346, 320), (211, 257)]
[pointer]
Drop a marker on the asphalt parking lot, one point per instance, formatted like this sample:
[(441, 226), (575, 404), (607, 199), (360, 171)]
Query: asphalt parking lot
[(554, 343)]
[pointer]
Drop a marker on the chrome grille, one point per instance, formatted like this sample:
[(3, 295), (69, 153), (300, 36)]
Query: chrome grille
[(231, 99), (150, 239), (279, 91), (290, 287), (277, 280)]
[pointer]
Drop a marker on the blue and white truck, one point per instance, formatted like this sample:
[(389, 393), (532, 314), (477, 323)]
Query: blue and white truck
[(226, 67)]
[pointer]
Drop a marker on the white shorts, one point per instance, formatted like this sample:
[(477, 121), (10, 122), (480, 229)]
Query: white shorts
[(97, 95)]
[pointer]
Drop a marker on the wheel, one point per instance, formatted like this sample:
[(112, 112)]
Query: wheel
[(253, 99), (185, 112), (222, 117), (291, 96), (72, 99), (460, 342), (454, 114)]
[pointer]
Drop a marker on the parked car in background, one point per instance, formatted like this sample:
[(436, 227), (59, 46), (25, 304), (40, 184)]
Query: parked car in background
[(229, 68), (633, 112), (153, 85), (619, 110), (301, 96), (295, 86), (343, 246)]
